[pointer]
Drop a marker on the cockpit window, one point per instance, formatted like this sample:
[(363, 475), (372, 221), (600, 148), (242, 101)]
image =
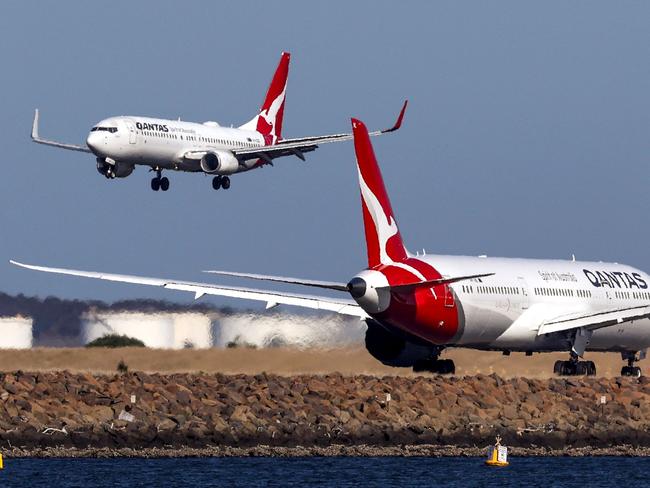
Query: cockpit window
[(112, 130)]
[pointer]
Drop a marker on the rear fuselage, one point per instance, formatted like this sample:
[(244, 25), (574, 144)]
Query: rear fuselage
[(505, 311)]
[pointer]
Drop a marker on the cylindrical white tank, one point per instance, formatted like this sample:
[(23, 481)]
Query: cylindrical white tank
[(16, 332), (192, 330), (156, 330), (288, 330)]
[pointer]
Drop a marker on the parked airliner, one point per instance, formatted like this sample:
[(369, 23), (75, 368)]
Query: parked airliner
[(122, 143), (415, 306)]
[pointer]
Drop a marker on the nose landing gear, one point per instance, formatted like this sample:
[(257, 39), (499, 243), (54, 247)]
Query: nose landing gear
[(159, 182), (105, 168), (630, 369)]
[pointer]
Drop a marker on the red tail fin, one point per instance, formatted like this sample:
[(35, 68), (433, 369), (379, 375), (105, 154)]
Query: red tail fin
[(269, 120), (383, 239)]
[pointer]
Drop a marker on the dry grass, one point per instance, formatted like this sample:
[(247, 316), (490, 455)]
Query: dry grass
[(284, 361)]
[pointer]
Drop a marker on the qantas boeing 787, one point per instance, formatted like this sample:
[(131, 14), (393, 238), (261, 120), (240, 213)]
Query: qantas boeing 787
[(121, 143), (415, 306)]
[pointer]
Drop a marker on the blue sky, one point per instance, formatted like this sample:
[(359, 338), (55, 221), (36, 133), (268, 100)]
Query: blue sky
[(527, 134)]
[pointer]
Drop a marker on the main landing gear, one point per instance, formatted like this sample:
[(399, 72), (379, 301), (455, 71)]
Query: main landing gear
[(159, 182), (434, 365), (630, 369), (573, 367), (221, 182)]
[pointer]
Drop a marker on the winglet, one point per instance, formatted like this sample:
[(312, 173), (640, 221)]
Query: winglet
[(35, 126), (400, 117)]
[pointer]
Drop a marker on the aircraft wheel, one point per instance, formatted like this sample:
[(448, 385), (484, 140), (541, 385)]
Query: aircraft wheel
[(216, 182), (446, 366), (557, 367), (439, 366), (422, 365), (581, 368), (164, 183), (225, 182), (591, 368), (569, 368), (155, 184), (633, 371)]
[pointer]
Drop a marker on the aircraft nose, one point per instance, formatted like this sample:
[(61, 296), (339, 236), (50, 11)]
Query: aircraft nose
[(93, 141)]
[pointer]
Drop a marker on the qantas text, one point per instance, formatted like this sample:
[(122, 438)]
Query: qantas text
[(146, 126), (615, 279)]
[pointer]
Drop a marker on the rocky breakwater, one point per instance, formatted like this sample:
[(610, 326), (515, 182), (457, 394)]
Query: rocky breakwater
[(62, 410)]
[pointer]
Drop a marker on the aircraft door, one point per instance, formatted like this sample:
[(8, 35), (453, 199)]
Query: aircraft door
[(525, 300), (449, 297), (132, 133)]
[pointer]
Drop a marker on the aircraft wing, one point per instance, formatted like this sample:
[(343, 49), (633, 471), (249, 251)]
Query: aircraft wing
[(594, 320), (330, 285), (272, 298), (36, 138), (299, 146)]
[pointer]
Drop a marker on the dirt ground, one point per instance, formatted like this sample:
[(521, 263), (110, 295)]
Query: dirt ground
[(284, 361)]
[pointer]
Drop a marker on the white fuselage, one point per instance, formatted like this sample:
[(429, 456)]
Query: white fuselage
[(162, 143), (504, 311)]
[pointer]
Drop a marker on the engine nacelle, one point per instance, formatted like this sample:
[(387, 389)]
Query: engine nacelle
[(219, 162), (116, 170), (369, 289), (393, 349)]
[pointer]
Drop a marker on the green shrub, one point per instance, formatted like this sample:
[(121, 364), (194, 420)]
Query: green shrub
[(122, 367), (114, 340)]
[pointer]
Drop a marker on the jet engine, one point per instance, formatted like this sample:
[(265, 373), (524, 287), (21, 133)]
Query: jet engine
[(116, 170), (219, 162), (370, 290), (393, 349)]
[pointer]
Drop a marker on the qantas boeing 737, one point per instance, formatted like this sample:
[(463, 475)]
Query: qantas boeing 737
[(415, 306), (121, 143)]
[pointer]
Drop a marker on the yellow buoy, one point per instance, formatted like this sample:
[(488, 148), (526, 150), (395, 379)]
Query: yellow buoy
[(497, 454), (2, 464)]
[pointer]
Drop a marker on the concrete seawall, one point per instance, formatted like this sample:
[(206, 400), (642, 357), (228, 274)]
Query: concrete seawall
[(137, 411)]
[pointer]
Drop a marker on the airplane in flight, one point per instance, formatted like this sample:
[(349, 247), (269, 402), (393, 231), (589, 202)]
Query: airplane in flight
[(415, 306), (122, 143)]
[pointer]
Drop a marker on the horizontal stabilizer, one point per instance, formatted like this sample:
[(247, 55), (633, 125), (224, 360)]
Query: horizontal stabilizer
[(431, 283), (283, 279)]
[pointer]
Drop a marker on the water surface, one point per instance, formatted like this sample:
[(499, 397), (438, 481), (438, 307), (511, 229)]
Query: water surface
[(338, 471)]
